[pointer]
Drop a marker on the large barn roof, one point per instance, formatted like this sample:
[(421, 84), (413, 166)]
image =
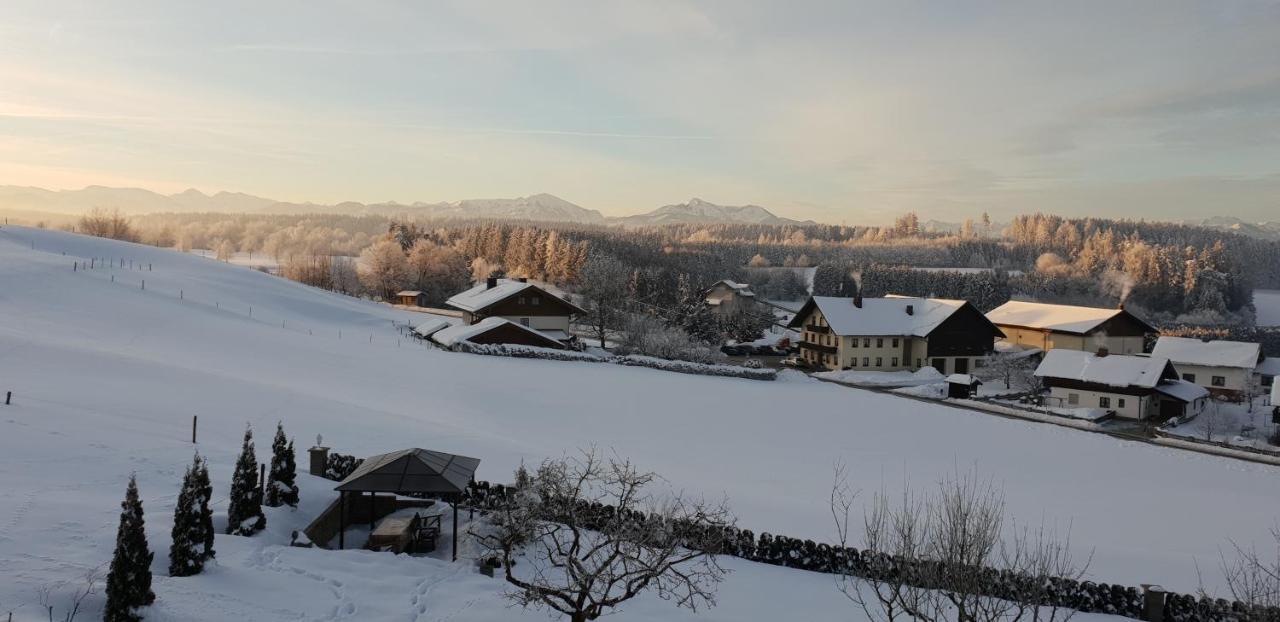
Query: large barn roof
[(482, 296), (1060, 318), (464, 332), (412, 470), (1114, 370), (881, 316), (1190, 351)]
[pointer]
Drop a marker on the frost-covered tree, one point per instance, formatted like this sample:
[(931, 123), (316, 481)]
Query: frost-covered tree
[(185, 555), (383, 268), (244, 513), (203, 490), (603, 287), (129, 580), (281, 489)]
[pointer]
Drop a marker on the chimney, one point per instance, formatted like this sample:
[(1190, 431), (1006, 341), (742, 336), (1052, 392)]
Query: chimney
[(319, 460), (911, 309), (1120, 306), (857, 300), (1102, 351), (491, 282), (523, 279)]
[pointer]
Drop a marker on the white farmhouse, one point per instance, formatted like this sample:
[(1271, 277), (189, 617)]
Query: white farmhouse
[(1227, 368), (1132, 387)]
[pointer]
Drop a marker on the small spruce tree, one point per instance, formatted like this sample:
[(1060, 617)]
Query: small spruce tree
[(244, 513), (184, 551), (129, 580), (280, 488), (203, 490)]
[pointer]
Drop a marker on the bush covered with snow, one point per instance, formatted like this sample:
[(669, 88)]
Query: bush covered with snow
[(648, 336)]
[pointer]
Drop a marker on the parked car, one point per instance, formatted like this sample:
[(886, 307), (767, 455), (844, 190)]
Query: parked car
[(736, 350), (768, 351), (796, 362)]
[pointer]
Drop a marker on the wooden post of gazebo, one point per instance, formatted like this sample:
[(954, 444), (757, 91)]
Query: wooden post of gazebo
[(455, 530), (342, 519)]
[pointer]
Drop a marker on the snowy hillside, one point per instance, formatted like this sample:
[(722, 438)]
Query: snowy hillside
[(106, 376)]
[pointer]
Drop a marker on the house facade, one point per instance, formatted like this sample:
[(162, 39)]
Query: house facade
[(1069, 327), (1131, 387), (518, 301), (728, 297), (893, 333), (1227, 368)]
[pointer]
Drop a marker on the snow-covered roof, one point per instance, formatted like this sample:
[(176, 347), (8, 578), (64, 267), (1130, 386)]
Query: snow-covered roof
[(1191, 351), (482, 295), (464, 332), (1269, 367), (742, 289), (409, 292), (1115, 370), (885, 316), (965, 379), (1061, 318), (429, 326), (1182, 390)]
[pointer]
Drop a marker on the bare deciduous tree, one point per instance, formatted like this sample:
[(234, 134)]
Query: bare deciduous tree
[(939, 556), (75, 602), (584, 561), (1253, 578), (106, 224)]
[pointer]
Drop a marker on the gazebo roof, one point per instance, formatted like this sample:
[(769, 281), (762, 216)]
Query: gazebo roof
[(412, 470)]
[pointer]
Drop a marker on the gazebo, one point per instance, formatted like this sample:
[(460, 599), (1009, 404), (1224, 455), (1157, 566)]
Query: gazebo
[(408, 471)]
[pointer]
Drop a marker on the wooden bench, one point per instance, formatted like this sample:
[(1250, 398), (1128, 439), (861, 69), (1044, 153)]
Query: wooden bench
[(392, 534)]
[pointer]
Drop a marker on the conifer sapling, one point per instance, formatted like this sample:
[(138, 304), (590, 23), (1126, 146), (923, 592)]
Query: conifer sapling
[(129, 580)]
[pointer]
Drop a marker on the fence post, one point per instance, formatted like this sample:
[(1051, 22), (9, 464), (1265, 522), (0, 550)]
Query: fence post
[(75, 266), (144, 284), (1153, 597), (193, 428), (262, 479), (180, 295), (8, 397)]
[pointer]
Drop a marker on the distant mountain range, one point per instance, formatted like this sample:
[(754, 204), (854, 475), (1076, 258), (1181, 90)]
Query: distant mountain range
[(1267, 230), (538, 207)]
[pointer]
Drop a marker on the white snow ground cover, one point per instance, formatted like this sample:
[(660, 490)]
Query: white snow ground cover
[(1267, 303), (106, 377)]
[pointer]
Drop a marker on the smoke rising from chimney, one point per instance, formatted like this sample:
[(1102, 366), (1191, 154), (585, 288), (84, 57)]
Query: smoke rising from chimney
[(1118, 284)]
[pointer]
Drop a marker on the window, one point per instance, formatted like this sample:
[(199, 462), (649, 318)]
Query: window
[(535, 301), (854, 362), (1104, 402), (879, 361), (522, 300), (879, 342), (1120, 403), (865, 361), (894, 362), (524, 321), (895, 342), (917, 362), (854, 342), (1189, 377), (1219, 381), (1073, 398), (866, 342)]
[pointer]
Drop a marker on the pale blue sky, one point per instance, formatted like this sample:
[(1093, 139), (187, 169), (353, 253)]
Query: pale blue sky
[(838, 111)]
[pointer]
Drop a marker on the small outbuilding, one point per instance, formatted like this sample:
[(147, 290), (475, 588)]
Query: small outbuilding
[(411, 298), (962, 386), (426, 328), (408, 472)]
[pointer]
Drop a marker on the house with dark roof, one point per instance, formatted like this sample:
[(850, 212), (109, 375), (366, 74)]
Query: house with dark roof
[(494, 331), (520, 302), (1050, 326), (894, 333), (1132, 387)]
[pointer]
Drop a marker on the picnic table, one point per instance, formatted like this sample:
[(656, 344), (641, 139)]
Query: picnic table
[(405, 533), (394, 534)]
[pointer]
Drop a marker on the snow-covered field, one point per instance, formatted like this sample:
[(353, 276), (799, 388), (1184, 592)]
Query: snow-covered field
[(1267, 303), (106, 377)]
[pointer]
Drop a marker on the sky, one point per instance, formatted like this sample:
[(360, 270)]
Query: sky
[(841, 112)]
